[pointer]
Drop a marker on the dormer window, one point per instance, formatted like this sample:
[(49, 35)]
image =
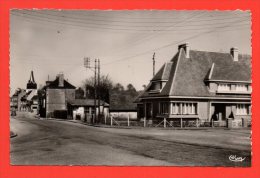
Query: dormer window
[(156, 86), (224, 87), (234, 88), (241, 88)]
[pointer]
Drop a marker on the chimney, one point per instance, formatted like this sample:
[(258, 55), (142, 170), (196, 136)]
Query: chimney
[(186, 48), (61, 80), (234, 53)]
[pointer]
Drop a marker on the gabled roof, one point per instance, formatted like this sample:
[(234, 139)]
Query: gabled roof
[(188, 76), (26, 95), (55, 84)]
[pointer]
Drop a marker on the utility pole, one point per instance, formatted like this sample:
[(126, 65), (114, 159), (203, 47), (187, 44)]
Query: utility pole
[(95, 93), (153, 64), (87, 65), (98, 89)]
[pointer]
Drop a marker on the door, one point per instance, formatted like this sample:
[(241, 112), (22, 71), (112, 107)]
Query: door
[(148, 110), (220, 111)]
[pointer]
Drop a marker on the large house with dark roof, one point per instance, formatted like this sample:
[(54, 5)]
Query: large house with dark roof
[(209, 86)]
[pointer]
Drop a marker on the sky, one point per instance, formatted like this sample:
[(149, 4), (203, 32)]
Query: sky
[(53, 41)]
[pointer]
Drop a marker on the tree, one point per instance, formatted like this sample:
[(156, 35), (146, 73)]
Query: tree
[(118, 87), (131, 88), (79, 93), (102, 90)]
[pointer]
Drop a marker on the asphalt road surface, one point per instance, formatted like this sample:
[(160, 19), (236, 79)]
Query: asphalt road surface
[(56, 142)]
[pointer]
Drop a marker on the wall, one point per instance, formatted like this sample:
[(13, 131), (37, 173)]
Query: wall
[(70, 94), (203, 110), (213, 87), (124, 115), (20, 95), (55, 100)]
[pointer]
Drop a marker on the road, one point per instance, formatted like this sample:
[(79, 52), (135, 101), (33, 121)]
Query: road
[(56, 142)]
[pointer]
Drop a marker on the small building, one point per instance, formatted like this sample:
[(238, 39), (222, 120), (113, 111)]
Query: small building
[(84, 109), (209, 86)]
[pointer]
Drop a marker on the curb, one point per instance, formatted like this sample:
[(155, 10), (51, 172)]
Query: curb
[(12, 134)]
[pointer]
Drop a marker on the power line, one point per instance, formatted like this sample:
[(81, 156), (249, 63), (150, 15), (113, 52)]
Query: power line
[(149, 37), (142, 22), (80, 20), (140, 17), (165, 46), (107, 28)]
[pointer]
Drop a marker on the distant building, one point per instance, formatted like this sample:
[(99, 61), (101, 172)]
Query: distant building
[(29, 101), (15, 100), (84, 109), (57, 99), (55, 95), (199, 85)]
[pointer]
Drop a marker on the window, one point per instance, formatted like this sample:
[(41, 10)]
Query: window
[(224, 87), (184, 108), (157, 86), (243, 109), (176, 108), (164, 108), (241, 88)]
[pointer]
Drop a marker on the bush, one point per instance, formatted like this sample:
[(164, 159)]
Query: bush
[(62, 114)]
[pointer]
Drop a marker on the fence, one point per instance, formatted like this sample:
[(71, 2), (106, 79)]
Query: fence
[(196, 123)]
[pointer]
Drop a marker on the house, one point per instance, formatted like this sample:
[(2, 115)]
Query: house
[(16, 103), (199, 85), (54, 96), (57, 99)]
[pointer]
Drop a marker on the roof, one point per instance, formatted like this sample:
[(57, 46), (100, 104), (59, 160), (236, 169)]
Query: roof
[(164, 72), (86, 102), (187, 76), (122, 101), (55, 84), (27, 94)]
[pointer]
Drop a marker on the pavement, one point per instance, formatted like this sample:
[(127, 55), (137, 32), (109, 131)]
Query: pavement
[(59, 142)]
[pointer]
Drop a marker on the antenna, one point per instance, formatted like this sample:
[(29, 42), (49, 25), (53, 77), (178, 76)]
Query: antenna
[(153, 64)]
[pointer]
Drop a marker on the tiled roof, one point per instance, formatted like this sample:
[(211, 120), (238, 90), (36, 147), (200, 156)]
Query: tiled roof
[(164, 72), (55, 84), (187, 75), (86, 102)]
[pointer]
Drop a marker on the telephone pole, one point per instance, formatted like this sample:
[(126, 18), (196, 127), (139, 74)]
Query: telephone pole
[(153, 64), (95, 93), (98, 89)]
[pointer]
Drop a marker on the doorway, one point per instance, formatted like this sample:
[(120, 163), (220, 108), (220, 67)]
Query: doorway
[(220, 112), (148, 110)]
